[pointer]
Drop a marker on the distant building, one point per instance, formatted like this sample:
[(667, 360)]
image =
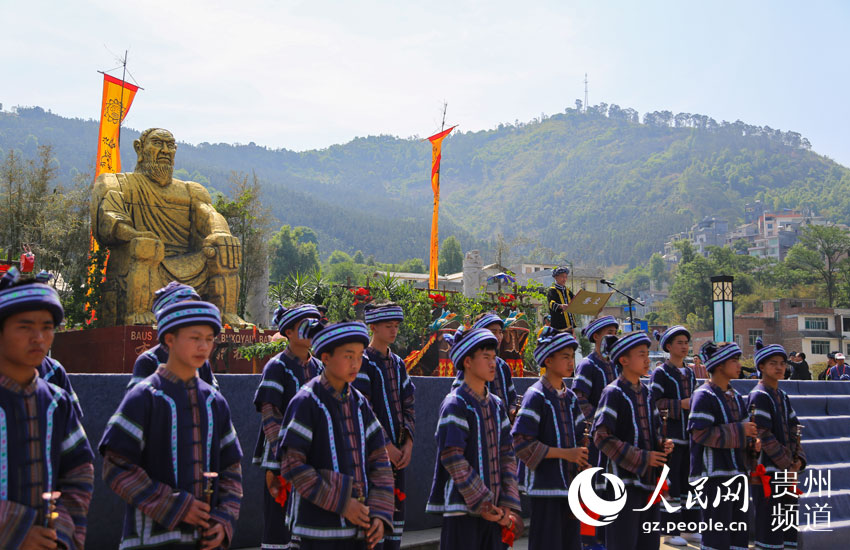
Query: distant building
[(708, 232), (797, 324), (747, 232), (778, 232)]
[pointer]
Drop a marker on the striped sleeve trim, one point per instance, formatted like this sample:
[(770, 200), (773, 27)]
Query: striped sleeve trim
[(529, 413), (302, 430), (701, 415), (373, 427), (456, 420), (606, 410), (230, 437), (128, 426), (74, 439), (272, 384)]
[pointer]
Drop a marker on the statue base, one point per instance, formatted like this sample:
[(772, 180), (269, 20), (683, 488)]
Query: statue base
[(115, 349)]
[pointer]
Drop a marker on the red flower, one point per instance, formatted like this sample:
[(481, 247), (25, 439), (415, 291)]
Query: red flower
[(437, 299)]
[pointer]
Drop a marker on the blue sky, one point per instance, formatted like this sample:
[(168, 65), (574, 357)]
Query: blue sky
[(305, 75)]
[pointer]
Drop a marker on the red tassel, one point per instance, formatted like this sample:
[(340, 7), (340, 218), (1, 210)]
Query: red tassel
[(588, 530), (508, 535), (283, 494), (399, 494), (762, 476), (665, 490)]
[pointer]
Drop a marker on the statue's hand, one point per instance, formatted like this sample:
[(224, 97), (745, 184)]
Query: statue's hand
[(126, 233), (226, 248)]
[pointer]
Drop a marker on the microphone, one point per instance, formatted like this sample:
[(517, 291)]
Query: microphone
[(606, 282)]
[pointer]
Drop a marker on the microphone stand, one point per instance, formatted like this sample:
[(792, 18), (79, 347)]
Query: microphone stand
[(631, 301)]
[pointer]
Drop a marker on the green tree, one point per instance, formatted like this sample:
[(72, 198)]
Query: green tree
[(413, 265), (358, 257), (819, 250), (249, 220), (346, 272), (291, 254), (686, 251), (451, 256), (657, 269), (338, 256)]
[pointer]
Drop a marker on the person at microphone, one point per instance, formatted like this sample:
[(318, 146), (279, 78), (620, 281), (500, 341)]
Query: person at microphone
[(559, 298)]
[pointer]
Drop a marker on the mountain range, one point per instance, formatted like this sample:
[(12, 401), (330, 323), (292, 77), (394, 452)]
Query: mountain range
[(595, 186)]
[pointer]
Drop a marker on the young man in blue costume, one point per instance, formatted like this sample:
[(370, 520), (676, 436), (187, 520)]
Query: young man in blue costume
[(547, 439), (475, 485), (43, 447), (592, 375), (283, 375), (627, 432), (383, 380), (782, 452), (170, 447), (502, 385), (672, 386), (334, 453), (721, 434)]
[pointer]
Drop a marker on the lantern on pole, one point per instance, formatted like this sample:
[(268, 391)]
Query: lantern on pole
[(721, 297)]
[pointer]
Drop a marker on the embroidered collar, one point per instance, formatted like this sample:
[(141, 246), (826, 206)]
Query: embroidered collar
[(548, 385), (342, 396), (562, 288), (13, 386), (163, 372), (291, 356), (382, 356), (483, 400)]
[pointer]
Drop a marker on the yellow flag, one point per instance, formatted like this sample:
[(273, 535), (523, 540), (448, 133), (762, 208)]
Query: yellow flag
[(117, 98)]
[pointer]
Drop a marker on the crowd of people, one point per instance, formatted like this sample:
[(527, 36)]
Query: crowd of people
[(338, 429)]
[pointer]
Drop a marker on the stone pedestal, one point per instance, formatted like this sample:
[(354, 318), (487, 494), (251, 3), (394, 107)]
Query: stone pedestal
[(115, 349)]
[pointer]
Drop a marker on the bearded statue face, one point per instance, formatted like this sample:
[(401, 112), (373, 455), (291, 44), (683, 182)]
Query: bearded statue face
[(156, 149)]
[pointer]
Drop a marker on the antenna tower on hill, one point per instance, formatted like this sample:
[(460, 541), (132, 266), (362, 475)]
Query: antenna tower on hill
[(585, 92)]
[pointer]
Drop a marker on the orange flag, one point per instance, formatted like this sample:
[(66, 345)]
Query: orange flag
[(436, 148), (117, 98)]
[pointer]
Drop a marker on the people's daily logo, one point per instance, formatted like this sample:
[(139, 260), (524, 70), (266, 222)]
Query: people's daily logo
[(584, 501)]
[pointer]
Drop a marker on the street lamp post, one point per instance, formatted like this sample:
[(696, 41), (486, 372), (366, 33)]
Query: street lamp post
[(721, 297)]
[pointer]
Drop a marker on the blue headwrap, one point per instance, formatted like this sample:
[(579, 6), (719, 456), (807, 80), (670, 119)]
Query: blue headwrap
[(378, 314), (17, 296), (187, 314), (333, 336), (671, 333), (287, 318), (171, 293), (627, 342), (712, 356), (598, 324), (763, 353), (550, 341), (559, 270), (464, 342), (488, 319)]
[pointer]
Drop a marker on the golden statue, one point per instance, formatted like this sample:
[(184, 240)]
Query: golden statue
[(159, 229)]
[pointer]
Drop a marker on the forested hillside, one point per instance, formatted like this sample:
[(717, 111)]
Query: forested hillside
[(598, 187)]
